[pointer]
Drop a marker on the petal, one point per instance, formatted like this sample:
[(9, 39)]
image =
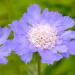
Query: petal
[(68, 35), (33, 15), (27, 57), (67, 54), (23, 45), (6, 49), (3, 60), (60, 49), (13, 26), (65, 23), (49, 57), (71, 46), (45, 13), (25, 27), (19, 27), (4, 34), (68, 22), (34, 10), (51, 17)]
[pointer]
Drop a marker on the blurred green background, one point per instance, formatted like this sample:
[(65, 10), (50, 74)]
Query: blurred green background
[(11, 10)]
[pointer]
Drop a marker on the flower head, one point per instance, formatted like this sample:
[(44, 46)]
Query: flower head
[(43, 32), (5, 48)]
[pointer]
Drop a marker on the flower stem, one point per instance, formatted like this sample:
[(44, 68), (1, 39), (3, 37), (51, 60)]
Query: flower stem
[(39, 66)]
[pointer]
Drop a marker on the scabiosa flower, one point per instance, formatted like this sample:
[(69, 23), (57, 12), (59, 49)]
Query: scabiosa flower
[(5, 47), (43, 32)]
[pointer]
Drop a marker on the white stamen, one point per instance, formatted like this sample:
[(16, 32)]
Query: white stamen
[(43, 36)]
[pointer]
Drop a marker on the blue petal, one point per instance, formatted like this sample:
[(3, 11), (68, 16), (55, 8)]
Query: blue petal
[(4, 33), (6, 49), (68, 35), (60, 49), (23, 45), (67, 54), (51, 17), (3, 60), (65, 23), (19, 27), (71, 46), (14, 26), (32, 16), (27, 57), (68, 22), (49, 57), (34, 10)]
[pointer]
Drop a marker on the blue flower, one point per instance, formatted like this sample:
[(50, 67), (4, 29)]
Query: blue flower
[(43, 32), (5, 45)]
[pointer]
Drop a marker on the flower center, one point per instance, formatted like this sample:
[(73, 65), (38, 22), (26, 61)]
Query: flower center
[(43, 36)]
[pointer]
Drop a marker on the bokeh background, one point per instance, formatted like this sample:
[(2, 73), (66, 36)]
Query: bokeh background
[(11, 10)]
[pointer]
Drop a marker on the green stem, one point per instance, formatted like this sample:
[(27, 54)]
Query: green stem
[(39, 66)]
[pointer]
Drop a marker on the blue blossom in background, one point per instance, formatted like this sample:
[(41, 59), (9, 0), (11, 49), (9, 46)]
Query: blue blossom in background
[(43, 32), (5, 47)]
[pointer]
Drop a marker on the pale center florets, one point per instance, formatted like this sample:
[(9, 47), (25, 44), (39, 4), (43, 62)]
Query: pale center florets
[(43, 36)]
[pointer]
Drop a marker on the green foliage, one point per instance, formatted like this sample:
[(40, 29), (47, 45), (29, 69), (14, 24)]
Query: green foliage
[(11, 10)]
